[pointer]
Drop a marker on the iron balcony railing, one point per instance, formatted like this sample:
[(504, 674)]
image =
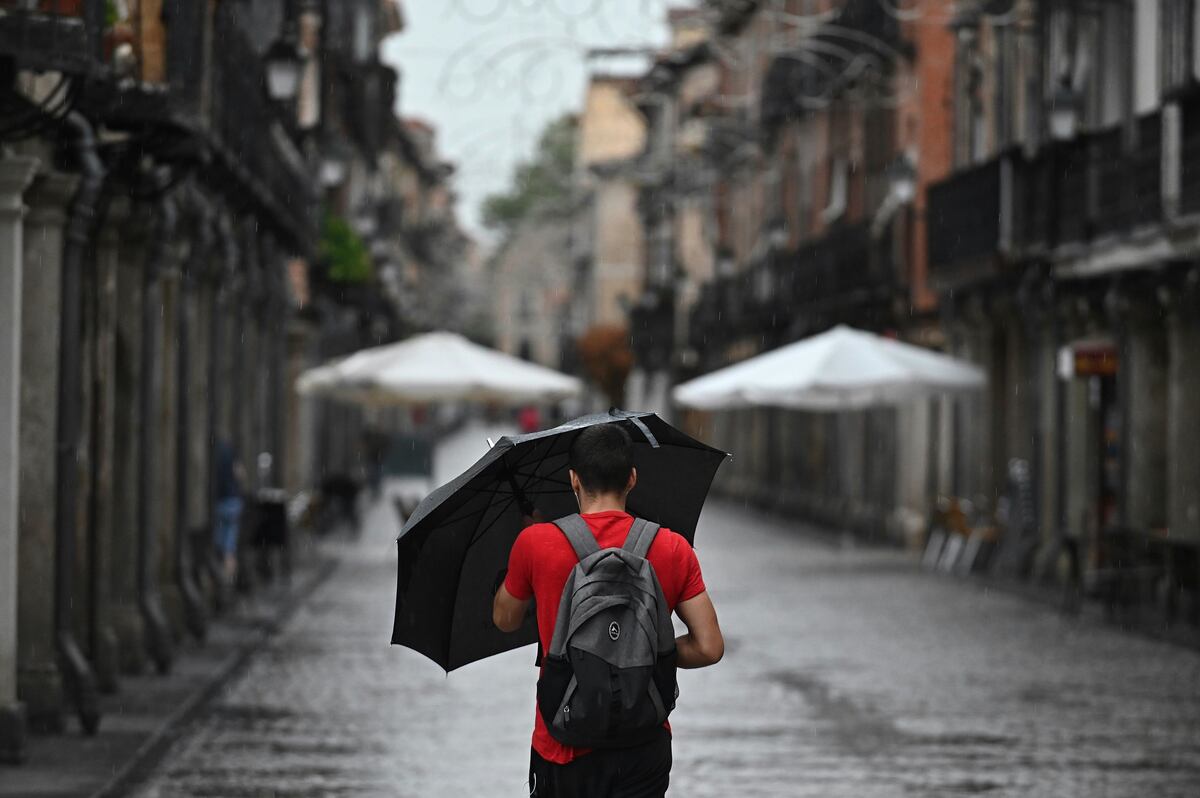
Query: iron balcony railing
[(964, 213), (1189, 155), (1097, 185), (59, 35)]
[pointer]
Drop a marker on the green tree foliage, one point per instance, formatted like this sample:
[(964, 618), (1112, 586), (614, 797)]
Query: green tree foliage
[(344, 251), (543, 182)]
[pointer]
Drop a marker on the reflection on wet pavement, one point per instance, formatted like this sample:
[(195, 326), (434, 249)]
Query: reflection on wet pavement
[(848, 673)]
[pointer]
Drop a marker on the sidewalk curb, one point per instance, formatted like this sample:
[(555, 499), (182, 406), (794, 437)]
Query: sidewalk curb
[(152, 751)]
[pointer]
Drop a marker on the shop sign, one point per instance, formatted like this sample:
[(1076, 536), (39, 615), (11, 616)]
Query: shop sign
[(1087, 360)]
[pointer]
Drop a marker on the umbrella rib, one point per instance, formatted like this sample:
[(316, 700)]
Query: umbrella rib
[(463, 564), (465, 516), (482, 529), (541, 461)]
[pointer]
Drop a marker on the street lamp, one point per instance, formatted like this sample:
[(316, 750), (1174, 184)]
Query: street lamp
[(285, 65), (725, 264), (777, 236), (902, 178), (285, 58), (1064, 111), (965, 25), (333, 171)]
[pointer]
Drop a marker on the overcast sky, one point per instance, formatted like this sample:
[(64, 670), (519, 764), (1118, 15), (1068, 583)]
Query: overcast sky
[(489, 74)]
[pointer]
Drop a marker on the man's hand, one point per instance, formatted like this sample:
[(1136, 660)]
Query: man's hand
[(704, 644), (508, 613)]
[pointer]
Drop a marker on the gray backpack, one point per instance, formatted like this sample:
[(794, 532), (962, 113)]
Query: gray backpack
[(608, 679)]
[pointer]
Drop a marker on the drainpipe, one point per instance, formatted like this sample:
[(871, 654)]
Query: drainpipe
[(81, 681), (158, 632), (193, 604)]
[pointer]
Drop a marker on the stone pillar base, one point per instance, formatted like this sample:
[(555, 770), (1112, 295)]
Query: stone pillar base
[(41, 690), (131, 639), (12, 734), (195, 616), (172, 604), (158, 632), (106, 659), (81, 682)]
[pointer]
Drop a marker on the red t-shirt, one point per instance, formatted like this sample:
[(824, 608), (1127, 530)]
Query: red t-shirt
[(538, 567)]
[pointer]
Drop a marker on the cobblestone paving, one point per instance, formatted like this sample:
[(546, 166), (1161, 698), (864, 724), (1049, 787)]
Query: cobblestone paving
[(848, 673)]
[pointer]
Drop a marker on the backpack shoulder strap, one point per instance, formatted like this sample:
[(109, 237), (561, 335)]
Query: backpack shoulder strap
[(641, 536), (579, 534)]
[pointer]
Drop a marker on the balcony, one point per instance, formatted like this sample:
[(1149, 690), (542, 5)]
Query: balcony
[(964, 213), (845, 275), (1189, 156), (1097, 185), (53, 35)]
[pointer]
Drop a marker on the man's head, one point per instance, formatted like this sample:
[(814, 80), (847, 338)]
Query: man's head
[(601, 461)]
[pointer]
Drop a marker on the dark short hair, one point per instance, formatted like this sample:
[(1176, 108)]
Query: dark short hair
[(602, 457)]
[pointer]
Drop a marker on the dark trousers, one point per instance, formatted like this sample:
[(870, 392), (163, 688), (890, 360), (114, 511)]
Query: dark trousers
[(643, 771)]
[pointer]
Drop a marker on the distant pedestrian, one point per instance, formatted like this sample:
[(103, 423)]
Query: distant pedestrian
[(230, 478), (529, 419), (608, 675)]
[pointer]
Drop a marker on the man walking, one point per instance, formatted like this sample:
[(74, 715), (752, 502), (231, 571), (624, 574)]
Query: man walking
[(544, 557)]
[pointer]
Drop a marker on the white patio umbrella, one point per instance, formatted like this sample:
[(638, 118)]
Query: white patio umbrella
[(840, 369), (438, 366)]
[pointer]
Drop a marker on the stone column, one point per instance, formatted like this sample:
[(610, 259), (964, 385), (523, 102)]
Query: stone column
[(1183, 414), (15, 176), (301, 418), (910, 469), (129, 225), (189, 482), (1144, 386), (165, 430), (1018, 396), (1078, 483), (1047, 476), (40, 683), (977, 415), (787, 443), (102, 642), (150, 464)]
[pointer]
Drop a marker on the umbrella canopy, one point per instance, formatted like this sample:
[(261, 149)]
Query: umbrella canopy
[(437, 366), (456, 543), (840, 369)]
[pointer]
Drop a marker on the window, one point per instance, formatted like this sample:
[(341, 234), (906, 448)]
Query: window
[(1178, 24), (525, 303)]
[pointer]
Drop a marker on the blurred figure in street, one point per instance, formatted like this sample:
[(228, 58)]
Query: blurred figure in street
[(375, 448), (529, 419), (231, 478)]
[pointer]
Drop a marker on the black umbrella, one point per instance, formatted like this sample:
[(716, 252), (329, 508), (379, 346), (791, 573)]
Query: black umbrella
[(457, 541)]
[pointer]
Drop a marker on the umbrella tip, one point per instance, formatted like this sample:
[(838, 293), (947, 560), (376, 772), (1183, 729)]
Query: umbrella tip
[(489, 442)]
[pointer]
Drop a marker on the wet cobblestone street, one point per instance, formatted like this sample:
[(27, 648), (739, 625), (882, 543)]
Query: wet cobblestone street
[(848, 673)]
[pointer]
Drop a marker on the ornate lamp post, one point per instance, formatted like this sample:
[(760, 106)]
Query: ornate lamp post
[(1064, 111), (285, 59)]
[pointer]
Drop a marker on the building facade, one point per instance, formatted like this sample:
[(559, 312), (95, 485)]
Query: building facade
[(1073, 279), (165, 273), (788, 149)]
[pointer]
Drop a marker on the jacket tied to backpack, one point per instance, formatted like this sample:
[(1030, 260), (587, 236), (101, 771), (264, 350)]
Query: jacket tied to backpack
[(608, 679)]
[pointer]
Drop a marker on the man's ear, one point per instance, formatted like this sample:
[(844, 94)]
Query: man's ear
[(632, 483), (576, 485)]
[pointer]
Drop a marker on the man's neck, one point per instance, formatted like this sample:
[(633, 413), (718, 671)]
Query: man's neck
[(605, 502)]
